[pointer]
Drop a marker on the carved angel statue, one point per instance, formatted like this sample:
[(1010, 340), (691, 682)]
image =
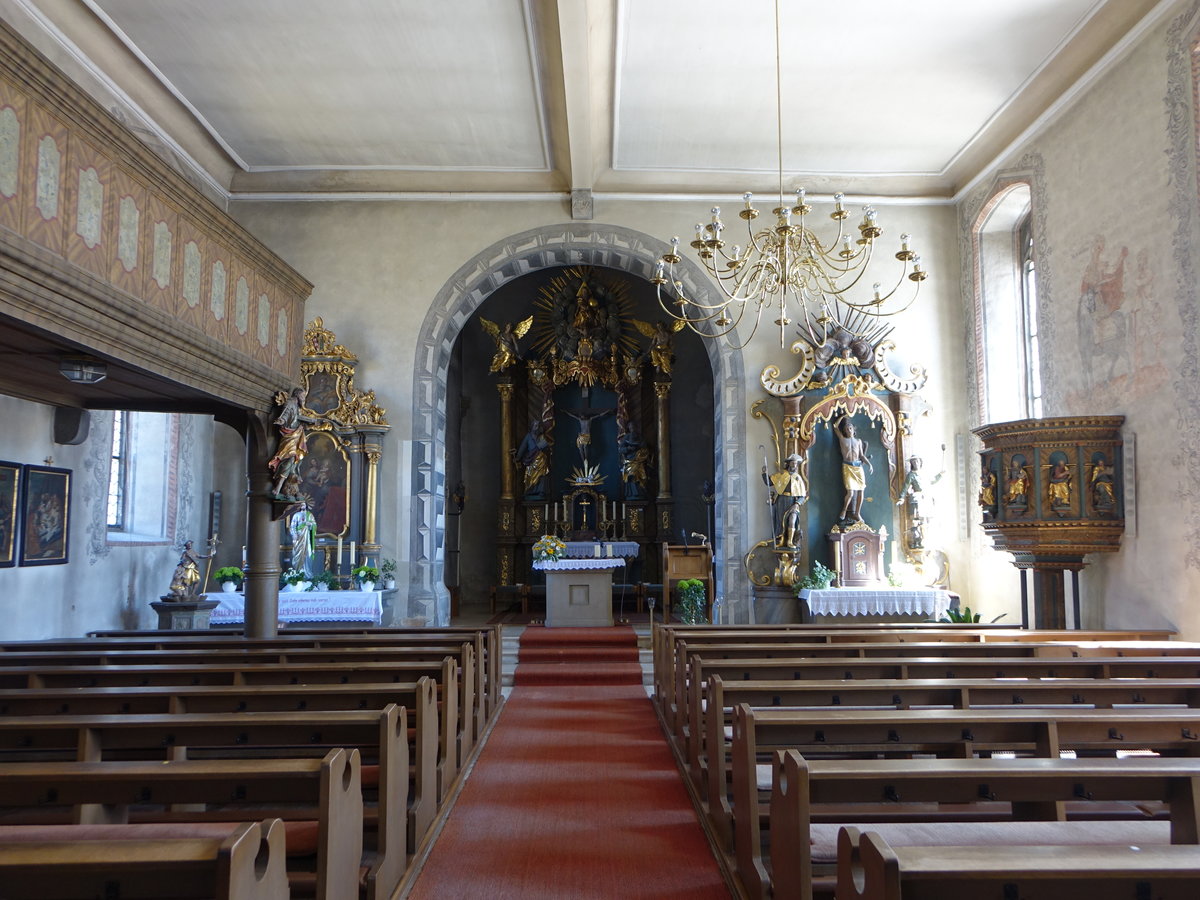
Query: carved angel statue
[(507, 352), (660, 334)]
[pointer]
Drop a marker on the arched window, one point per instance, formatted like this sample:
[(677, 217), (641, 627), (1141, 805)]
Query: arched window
[(1007, 350), (141, 504)]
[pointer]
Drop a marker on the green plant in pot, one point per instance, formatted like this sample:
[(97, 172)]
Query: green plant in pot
[(693, 601), (365, 575), (294, 580), (324, 581), (387, 569), (229, 577), (819, 579)]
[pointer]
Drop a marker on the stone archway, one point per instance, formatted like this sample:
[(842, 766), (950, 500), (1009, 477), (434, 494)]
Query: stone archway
[(567, 244)]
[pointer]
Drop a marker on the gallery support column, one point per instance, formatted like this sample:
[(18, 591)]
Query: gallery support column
[(262, 536)]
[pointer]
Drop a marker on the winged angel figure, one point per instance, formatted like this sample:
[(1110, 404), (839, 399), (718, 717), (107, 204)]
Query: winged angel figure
[(660, 334), (507, 352)]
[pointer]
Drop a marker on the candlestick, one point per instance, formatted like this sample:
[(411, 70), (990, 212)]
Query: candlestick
[(243, 556)]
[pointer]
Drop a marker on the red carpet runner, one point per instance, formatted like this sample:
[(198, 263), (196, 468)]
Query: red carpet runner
[(576, 794)]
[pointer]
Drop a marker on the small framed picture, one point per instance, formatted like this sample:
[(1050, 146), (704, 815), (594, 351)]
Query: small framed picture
[(10, 505), (45, 516)]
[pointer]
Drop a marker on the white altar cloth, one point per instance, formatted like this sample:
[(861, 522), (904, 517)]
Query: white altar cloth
[(579, 564), (877, 602), (305, 606)]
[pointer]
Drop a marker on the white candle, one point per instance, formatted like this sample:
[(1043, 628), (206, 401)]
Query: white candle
[(352, 554), (339, 551), (243, 556), (545, 512)]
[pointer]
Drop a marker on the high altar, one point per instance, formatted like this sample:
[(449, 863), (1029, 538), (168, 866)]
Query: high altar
[(585, 434)]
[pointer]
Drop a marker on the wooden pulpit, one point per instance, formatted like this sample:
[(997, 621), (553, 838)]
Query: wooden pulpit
[(684, 561)]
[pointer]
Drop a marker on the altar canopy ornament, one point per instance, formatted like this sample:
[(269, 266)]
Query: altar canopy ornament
[(787, 269)]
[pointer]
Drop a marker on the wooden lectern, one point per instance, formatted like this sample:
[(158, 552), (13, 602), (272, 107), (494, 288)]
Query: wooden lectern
[(681, 562)]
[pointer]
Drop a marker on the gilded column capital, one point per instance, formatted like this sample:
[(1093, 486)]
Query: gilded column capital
[(505, 391)]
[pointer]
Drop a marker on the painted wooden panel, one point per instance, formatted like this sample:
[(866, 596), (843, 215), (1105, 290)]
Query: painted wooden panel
[(45, 150), (129, 216), (87, 209), (13, 114)]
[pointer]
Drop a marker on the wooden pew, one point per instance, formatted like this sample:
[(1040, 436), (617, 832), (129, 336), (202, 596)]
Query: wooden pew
[(380, 736), (485, 641), (690, 659), (713, 736), (952, 733), (664, 638), (444, 672), (904, 669), (328, 790), (245, 865), (161, 699), (1028, 872), (1006, 790)]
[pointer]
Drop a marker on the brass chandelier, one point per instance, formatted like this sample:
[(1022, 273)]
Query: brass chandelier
[(786, 268)]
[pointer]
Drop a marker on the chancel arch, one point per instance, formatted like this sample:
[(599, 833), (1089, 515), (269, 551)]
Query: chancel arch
[(573, 244)]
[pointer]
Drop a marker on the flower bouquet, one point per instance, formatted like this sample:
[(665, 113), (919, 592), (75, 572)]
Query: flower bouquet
[(548, 547), (293, 580), (693, 600)]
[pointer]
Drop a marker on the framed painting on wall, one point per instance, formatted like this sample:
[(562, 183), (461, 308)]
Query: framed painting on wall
[(10, 500), (325, 478), (45, 516)]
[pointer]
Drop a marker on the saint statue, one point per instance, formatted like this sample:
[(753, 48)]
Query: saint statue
[(185, 580), (293, 443), (787, 491), (854, 457), (303, 528), (533, 455)]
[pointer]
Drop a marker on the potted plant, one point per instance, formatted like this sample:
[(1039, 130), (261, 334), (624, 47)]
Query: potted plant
[(324, 581), (387, 569), (693, 598), (229, 577), (293, 580), (548, 548), (366, 576), (819, 579)]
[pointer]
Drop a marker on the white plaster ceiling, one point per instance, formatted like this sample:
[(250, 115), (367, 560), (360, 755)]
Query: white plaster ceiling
[(638, 96)]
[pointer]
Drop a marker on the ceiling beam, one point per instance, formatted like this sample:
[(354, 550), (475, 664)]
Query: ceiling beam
[(576, 72)]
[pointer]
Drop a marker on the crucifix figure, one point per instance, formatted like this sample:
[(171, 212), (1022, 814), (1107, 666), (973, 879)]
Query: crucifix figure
[(584, 438)]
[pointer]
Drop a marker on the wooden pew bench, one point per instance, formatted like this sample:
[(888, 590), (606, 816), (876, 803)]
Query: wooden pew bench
[(405, 801), (665, 637), (905, 669), (443, 672), (452, 750), (994, 801), (716, 731), (734, 790), (321, 799), (691, 660), (875, 871), (245, 864), (485, 639), (463, 653)]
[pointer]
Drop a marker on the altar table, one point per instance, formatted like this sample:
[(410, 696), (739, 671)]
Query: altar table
[(579, 591), (877, 602), (304, 606)]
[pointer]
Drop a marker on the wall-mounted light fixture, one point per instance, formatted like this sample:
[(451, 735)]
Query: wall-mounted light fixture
[(83, 369)]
